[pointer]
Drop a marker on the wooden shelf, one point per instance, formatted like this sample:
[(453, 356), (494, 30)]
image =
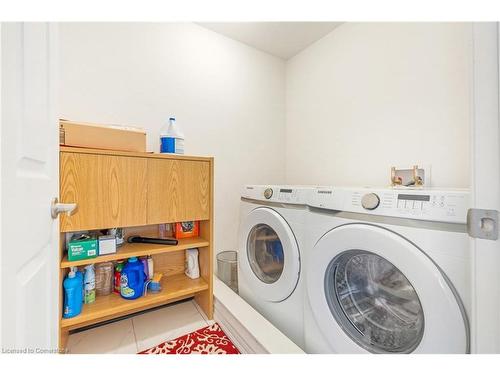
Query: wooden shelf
[(111, 306), (128, 250), (97, 151), (137, 191)]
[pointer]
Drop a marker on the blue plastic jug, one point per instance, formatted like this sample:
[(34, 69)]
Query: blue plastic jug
[(132, 279), (72, 295)]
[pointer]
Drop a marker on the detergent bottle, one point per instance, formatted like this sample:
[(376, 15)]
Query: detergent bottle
[(72, 295), (144, 261), (132, 279), (171, 138), (117, 277)]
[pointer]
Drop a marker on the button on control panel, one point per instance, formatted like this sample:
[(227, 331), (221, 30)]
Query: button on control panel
[(413, 204), (430, 206), (268, 193), (287, 195)]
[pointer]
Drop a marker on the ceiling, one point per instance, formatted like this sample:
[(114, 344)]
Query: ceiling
[(281, 39)]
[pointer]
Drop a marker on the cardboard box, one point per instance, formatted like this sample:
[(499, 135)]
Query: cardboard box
[(107, 244), (186, 229), (107, 137), (82, 247)]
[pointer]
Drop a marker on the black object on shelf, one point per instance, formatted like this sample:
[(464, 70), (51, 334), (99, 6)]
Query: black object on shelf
[(161, 241)]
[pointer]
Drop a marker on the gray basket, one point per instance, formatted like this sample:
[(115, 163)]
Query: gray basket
[(227, 268)]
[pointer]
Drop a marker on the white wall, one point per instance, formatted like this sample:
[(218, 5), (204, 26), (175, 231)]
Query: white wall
[(368, 96), (228, 98), (365, 97)]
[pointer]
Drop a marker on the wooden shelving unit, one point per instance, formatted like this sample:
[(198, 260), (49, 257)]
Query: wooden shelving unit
[(137, 250), (112, 306), (138, 191)]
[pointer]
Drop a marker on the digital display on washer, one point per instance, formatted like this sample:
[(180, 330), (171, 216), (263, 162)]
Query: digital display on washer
[(285, 190), (410, 197), (324, 192)]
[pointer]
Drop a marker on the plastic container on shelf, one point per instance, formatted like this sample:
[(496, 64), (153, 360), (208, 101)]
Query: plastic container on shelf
[(132, 279), (227, 269), (72, 295), (192, 266), (144, 261), (118, 233), (79, 276), (150, 267), (171, 138), (165, 230), (104, 278), (89, 284), (117, 276)]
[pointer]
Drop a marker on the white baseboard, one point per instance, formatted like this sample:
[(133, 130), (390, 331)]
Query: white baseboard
[(248, 330), (237, 333)]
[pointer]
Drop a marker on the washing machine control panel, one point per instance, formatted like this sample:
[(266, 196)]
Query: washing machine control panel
[(445, 206), (276, 193), (432, 205)]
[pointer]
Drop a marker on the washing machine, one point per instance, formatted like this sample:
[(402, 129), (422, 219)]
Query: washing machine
[(270, 255), (387, 271)]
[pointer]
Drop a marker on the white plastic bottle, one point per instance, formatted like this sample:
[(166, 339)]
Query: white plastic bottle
[(171, 138), (192, 268), (89, 284), (150, 267)]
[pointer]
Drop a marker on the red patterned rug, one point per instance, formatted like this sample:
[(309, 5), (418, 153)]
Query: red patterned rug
[(208, 340)]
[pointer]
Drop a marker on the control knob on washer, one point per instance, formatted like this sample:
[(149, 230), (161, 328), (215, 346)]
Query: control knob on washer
[(268, 193), (370, 201)]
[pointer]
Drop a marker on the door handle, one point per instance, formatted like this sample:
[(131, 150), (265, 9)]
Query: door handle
[(56, 208)]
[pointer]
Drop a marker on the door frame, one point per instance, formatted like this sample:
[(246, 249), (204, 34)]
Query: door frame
[(485, 185), (1, 130)]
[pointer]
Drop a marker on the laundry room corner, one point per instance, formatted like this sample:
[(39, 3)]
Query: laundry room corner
[(109, 72)]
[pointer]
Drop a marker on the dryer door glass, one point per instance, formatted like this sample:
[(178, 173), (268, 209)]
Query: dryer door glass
[(374, 302), (265, 253)]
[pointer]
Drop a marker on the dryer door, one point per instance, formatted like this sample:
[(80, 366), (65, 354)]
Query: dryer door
[(269, 255), (372, 290)]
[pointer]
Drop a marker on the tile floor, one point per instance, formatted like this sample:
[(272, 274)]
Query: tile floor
[(141, 332)]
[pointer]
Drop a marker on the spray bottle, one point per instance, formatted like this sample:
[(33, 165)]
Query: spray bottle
[(89, 280)]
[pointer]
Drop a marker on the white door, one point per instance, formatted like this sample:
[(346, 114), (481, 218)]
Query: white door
[(269, 255), (29, 295), (372, 290)]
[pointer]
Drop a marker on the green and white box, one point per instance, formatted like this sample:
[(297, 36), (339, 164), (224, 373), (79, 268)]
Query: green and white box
[(82, 246)]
